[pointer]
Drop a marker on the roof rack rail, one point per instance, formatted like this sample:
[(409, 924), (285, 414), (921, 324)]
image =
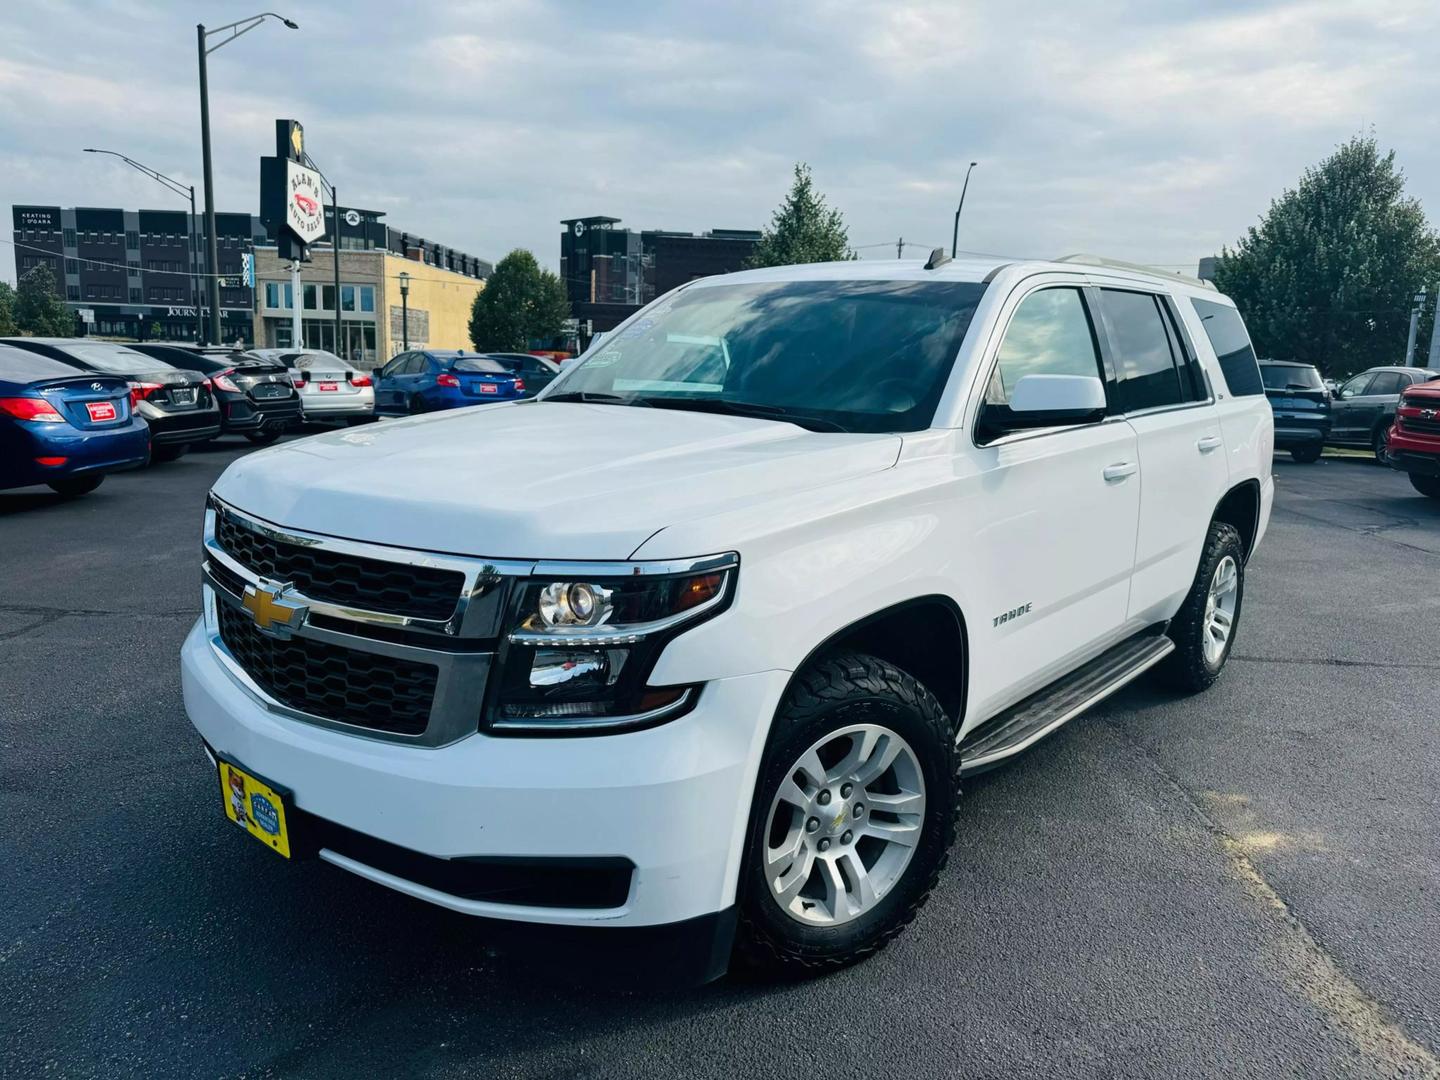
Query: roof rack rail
[(1119, 264)]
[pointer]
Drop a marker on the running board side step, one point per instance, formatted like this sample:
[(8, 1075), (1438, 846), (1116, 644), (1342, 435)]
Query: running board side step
[(1025, 724)]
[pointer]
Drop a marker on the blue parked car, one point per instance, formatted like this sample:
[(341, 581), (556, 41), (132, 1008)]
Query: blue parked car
[(64, 428), (432, 379)]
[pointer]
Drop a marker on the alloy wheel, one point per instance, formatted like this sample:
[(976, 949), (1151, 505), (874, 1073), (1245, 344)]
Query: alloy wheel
[(1220, 604), (844, 825)]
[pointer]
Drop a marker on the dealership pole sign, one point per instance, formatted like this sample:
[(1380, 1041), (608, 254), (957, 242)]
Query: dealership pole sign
[(291, 197)]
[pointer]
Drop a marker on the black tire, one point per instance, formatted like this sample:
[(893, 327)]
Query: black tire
[(262, 438), (829, 695), (1426, 485), (1306, 455), (1380, 444), (76, 486), (417, 405), (1187, 669), (169, 452)]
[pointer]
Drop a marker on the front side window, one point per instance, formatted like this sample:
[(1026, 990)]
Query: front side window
[(1144, 363), (1049, 334), (1357, 386), (830, 355)]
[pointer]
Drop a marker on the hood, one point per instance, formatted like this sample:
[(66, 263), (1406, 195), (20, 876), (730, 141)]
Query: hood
[(539, 480)]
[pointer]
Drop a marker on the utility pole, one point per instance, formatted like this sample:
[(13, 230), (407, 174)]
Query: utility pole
[(1434, 362), (1415, 309), (297, 301), (900, 248)]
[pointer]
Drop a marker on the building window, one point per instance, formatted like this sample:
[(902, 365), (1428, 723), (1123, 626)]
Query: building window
[(327, 298), (272, 294), (347, 297), (367, 297), (309, 297), (72, 292), (71, 266), (132, 240), (69, 235), (135, 296)]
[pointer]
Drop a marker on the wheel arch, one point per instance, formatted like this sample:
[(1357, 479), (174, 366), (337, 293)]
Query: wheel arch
[(923, 636), (1240, 508)]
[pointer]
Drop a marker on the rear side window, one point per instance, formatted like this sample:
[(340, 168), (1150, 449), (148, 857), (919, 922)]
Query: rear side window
[(1386, 382), (1049, 334), (1144, 360), (1231, 342)]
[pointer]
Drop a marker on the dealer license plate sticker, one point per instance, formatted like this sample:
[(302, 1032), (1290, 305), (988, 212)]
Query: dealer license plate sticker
[(255, 806)]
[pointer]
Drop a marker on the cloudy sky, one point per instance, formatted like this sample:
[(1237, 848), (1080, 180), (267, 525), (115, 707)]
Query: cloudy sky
[(1146, 131)]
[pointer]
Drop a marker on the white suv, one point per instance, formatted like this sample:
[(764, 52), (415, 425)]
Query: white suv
[(696, 646)]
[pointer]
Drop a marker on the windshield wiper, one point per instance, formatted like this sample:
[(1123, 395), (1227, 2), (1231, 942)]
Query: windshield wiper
[(592, 397), (752, 409)]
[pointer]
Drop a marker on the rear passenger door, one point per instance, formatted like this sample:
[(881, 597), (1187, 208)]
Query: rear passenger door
[(1165, 397)]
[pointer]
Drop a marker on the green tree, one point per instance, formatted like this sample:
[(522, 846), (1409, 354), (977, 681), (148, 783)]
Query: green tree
[(803, 229), (38, 307), (1328, 274), (7, 309), (520, 302)]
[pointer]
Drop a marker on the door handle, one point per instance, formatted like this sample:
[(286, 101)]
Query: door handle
[(1208, 443), (1119, 471)]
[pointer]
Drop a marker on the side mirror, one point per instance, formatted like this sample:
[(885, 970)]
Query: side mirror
[(1040, 401)]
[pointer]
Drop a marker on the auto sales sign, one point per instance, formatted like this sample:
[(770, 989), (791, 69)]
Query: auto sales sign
[(304, 207)]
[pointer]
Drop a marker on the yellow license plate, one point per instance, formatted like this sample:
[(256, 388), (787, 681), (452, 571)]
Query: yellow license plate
[(255, 806)]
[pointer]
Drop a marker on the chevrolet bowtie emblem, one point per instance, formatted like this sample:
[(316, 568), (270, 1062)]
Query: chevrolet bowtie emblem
[(273, 614)]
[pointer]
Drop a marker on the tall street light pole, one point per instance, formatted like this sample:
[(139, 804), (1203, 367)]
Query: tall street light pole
[(212, 245), (182, 190), (955, 236), (404, 311)]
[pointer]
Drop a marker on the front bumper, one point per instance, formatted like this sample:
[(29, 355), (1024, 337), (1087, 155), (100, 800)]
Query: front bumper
[(672, 800)]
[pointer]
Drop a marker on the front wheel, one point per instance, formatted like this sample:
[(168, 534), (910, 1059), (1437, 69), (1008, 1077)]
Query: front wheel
[(1204, 628), (79, 485), (853, 817), (1426, 485)]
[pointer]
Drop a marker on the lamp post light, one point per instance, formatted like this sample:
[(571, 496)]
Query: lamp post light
[(955, 236), (182, 190), (212, 246), (404, 311)]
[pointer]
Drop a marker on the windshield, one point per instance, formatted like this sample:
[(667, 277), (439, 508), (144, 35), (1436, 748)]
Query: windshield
[(479, 363), (1286, 377), (848, 355), (307, 361)]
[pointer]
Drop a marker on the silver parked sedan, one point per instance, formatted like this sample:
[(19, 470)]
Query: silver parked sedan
[(330, 388)]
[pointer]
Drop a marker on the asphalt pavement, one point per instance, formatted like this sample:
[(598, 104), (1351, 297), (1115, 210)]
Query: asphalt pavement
[(1243, 883)]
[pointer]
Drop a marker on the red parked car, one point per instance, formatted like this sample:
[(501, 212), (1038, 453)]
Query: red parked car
[(1415, 438)]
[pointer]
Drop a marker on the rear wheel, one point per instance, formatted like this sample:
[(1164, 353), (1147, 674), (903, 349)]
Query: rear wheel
[(417, 405), (1380, 443), (262, 438), (1204, 628), (169, 452), (79, 485), (1426, 485), (1306, 455), (853, 817)]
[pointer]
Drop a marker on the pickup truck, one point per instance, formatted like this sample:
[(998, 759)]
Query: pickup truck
[(1414, 440), (694, 648)]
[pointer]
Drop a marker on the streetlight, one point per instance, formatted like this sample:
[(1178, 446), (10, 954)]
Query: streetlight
[(955, 236), (404, 311), (182, 190), (212, 246)]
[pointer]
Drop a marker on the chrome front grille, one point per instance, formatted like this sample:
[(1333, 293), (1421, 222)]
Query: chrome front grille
[(376, 641)]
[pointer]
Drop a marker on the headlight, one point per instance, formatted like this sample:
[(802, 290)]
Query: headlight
[(582, 645)]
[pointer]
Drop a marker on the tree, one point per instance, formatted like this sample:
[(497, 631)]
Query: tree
[(1328, 274), (803, 229), (38, 307), (520, 302), (7, 309)]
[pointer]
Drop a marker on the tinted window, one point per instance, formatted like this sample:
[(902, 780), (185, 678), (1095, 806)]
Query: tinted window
[(861, 355), (479, 363), (1144, 364), (1049, 334), (1290, 377), (114, 360), (1386, 382), (1226, 331)]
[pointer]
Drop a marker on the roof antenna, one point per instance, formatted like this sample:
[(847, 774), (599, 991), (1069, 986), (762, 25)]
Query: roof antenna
[(937, 259)]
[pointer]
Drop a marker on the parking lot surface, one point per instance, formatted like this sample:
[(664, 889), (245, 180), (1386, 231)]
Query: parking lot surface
[(1243, 883)]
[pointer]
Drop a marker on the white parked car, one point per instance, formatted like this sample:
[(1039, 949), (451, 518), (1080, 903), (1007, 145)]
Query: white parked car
[(695, 647), (330, 388)]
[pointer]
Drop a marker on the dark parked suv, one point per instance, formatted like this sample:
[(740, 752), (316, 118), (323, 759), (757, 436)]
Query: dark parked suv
[(175, 402), (1364, 408), (256, 396), (1301, 405)]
